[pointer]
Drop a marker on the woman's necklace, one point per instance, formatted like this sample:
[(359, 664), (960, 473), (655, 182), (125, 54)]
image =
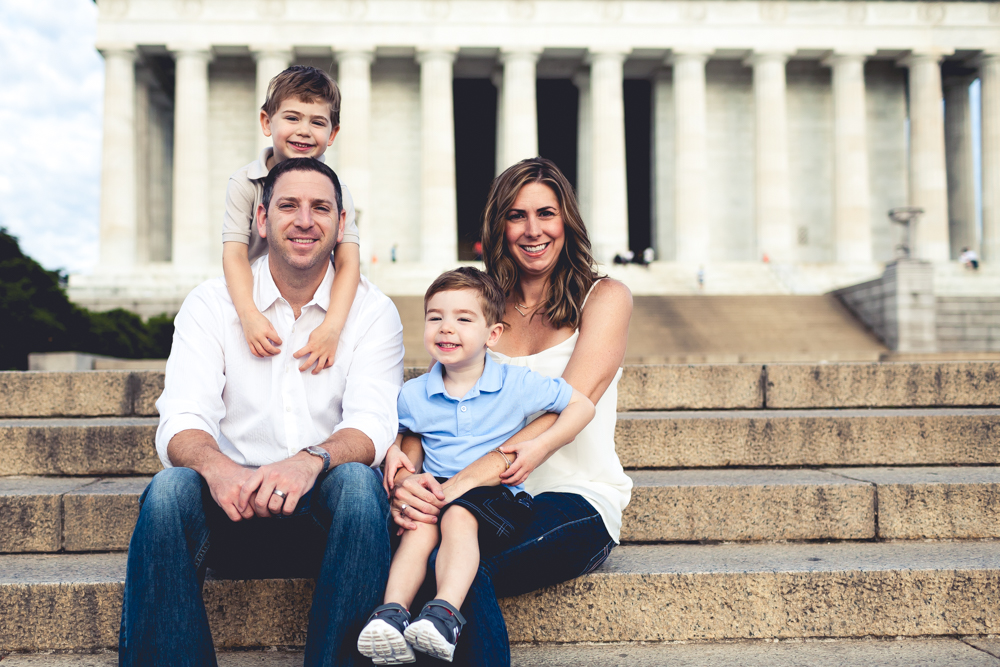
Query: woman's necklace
[(519, 306)]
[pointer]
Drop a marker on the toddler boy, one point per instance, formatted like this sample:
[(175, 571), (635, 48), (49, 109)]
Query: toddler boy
[(302, 116), (465, 408)]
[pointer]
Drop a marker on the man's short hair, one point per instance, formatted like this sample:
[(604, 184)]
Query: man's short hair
[(491, 297), (301, 164), (309, 84)]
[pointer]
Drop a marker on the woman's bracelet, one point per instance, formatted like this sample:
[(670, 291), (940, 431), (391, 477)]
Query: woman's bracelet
[(505, 459)]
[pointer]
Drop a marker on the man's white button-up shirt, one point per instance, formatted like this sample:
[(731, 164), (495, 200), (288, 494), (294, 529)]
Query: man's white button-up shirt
[(264, 410)]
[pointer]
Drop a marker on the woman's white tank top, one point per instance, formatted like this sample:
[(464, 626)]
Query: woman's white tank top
[(589, 465)]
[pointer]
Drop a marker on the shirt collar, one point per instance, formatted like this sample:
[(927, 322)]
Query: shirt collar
[(266, 291), (491, 380), (258, 168)]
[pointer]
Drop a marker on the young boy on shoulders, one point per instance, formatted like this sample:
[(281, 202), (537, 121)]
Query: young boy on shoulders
[(465, 408), (301, 115)]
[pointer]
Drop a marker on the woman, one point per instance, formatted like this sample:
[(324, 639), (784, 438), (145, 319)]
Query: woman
[(564, 320)]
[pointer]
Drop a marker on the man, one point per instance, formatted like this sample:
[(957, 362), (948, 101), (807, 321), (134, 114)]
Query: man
[(269, 469)]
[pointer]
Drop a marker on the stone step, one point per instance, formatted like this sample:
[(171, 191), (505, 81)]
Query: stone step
[(690, 439), (938, 652), (654, 387), (759, 438), (642, 593), (88, 446), (43, 514)]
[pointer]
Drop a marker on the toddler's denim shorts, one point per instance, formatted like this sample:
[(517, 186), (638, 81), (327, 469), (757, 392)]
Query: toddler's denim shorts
[(501, 515)]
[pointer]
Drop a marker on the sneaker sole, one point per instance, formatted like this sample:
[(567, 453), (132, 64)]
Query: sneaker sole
[(384, 645), (423, 636)]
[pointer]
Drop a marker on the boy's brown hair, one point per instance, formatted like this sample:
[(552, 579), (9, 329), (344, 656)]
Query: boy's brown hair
[(308, 84), (491, 298)]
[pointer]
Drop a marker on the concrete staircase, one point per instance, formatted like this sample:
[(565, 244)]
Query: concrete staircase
[(793, 503), (684, 329)]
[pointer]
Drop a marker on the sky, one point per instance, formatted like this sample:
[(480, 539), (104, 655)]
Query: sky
[(51, 98)]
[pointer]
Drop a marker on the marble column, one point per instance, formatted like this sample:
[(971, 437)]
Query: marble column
[(928, 180), (852, 230), (584, 182), (773, 206), (608, 224), (193, 234), (989, 77), (118, 161), (520, 110), (354, 76), (438, 207), (143, 135), (664, 236), (692, 238), (501, 164), (271, 61), (958, 164)]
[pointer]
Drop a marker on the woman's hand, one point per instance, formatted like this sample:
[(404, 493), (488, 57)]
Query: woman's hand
[(394, 460), (418, 498), (527, 455)]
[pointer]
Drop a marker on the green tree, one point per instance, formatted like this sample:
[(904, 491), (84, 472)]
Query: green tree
[(36, 316)]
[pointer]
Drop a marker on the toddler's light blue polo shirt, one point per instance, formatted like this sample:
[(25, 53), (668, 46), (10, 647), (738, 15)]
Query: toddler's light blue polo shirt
[(456, 432)]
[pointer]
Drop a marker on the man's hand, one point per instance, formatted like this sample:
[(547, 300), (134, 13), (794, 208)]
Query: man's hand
[(294, 477), (225, 481)]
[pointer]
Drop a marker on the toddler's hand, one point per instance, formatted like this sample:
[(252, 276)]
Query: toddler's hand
[(261, 336), (394, 460), (528, 455), (320, 350)]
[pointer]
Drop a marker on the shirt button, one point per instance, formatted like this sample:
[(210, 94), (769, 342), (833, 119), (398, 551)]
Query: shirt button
[(288, 408), (464, 408)]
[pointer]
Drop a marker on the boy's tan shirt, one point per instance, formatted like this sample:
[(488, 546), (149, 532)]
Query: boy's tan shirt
[(245, 193)]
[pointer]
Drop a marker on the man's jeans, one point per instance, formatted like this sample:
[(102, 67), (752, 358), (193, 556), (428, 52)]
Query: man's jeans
[(338, 534)]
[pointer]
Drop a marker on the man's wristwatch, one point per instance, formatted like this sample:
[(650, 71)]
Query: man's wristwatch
[(316, 450)]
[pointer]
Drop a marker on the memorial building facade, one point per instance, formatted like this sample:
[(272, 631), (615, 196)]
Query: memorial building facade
[(721, 133)]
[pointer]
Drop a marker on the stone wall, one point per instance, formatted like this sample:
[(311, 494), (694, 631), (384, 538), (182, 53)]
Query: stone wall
[(899, 307), (968, 323)]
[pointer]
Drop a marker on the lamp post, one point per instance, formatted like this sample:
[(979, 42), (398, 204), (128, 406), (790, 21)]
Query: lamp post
[(906, 216)]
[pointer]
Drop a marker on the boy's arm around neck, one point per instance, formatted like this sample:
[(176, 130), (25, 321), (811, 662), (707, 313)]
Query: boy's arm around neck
[(260, 334)]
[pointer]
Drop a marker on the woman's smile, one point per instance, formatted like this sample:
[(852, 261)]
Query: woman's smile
[(535, 232)]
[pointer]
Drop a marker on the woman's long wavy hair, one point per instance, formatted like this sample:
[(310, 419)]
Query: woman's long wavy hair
[(574, 272)]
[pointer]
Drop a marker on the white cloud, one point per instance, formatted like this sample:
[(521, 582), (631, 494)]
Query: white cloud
[(52, 80)]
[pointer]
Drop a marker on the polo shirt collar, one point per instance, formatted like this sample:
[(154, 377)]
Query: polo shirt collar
[(266, 291), (490, 381), (258, 168)]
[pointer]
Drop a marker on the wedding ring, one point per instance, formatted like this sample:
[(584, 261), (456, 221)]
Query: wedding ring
[(402, 508), (280, 494)]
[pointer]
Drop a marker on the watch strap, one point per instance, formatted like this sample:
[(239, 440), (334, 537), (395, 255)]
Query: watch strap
[(321, 453)]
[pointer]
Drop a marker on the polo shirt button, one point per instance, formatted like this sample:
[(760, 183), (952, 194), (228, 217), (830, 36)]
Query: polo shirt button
[(464, 408), (288, 408)]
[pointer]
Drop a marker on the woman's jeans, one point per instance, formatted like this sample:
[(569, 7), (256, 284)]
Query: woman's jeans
[(565, 539), (337, 534)]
